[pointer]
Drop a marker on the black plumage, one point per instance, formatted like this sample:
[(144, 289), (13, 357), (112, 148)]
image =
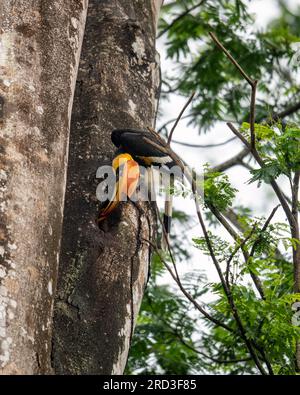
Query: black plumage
[(135, 142)]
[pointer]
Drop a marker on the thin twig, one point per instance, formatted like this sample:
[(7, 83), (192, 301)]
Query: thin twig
[(235, 236), (246, 165), (288, 111), (251, 82), (263, 229), (234, 252), (179, 116), (235, 160), (252, 113), (230, 57), (204, 145), (296, 235), (211, 358), (189, 115), (164, 126)]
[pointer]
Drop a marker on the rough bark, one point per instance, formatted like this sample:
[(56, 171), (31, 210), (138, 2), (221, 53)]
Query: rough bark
[(103, 271), (39, 54)]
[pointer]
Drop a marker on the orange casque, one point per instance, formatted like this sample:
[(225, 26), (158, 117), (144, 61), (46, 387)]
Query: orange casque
[(129, 173)]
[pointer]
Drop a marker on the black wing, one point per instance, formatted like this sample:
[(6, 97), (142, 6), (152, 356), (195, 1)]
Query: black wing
[(132, 141)]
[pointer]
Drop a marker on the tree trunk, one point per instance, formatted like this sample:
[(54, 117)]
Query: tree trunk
[(39, 52), (103, 271)]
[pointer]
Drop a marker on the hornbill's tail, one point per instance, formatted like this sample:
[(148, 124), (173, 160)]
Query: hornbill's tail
[(168, 216)]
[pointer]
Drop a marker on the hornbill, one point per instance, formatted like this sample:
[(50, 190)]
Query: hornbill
[(148, 149), (127, 173)]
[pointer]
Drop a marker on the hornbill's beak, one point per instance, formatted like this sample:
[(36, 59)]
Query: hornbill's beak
[(127, 178)]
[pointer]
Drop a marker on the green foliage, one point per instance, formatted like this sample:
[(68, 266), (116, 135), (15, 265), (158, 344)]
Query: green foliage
[(270, 171), (218, 191), (262, 132), (279, 146), (221, 247)]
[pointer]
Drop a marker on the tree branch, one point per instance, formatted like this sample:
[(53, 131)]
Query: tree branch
[(252, 113), (235, 160), (285, 113), (296, 233), (211, 358), (203, 145), (235, 236), (296, 250), (230, 57), (234, 252), (263, 229), (178, 118), (252, 83)]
